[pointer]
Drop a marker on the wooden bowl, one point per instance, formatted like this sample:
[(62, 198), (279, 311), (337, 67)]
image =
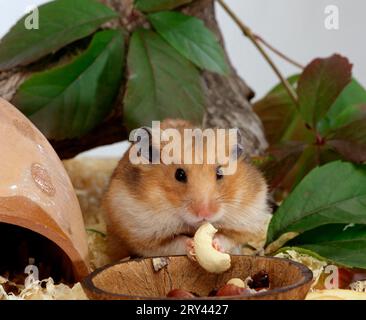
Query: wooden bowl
[(36, 193), (137, 279)]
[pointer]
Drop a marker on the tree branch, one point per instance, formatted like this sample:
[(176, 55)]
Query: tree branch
[(279, 53), (227, 98), (249, 34)]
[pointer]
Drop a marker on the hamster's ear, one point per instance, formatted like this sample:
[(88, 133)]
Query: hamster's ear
[(142, 140), (237, 150)]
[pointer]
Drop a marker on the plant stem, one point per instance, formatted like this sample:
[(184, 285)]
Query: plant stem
[(279, 53), (248, 33)]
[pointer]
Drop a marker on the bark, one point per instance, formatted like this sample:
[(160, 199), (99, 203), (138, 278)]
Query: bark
[(227, 98)]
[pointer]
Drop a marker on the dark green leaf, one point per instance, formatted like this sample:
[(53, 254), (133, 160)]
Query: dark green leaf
[(345, 109), (68, 101), (192, 39), (319, 86), (159, 5), (333, 193), (162, 84), (340, 243), (60, 23)]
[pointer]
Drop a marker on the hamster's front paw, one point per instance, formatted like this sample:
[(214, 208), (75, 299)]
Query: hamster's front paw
[(222, 243), (217, 244), (190, 249)]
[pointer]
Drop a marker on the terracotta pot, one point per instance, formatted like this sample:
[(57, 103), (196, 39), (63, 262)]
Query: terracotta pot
[(35, 190)]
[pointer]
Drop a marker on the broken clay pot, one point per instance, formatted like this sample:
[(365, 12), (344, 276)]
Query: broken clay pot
[(35, 190)]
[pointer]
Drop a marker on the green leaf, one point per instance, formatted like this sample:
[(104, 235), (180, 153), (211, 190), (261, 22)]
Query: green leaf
[(293, 80), (162, 84), (60, 23), (328, 125), (70, 100), (319, 86), (333, 193), (189, 36), (339, 243), (345, 109), (353, 94), (159, 5)]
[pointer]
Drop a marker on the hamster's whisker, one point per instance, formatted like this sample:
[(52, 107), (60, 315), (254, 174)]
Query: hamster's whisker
[(240, 207), (165, 209), (227, 201), (233, 220)]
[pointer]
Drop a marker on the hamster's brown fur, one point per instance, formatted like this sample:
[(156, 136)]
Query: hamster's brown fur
[(150, 213)]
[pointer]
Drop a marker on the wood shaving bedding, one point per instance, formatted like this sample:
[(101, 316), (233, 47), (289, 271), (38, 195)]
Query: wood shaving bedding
[(40, 290)]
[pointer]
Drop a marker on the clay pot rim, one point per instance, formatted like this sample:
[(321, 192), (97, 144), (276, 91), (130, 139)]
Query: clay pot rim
[(89, 286)]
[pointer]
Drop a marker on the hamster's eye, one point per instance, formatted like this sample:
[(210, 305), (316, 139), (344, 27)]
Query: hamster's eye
[(219, 173), (180, 175)]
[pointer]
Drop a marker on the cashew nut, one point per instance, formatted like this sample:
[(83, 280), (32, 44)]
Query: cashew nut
[(206, 255), (336, 294), (237, 282)]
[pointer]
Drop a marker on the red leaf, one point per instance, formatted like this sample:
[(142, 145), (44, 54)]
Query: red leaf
[(351, 151), (276, 112), (350, 140), (281, 120), (354, 131), (344, 278), (282, 159), (320, 84)]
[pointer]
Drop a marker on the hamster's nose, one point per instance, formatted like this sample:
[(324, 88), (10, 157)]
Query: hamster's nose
[(204, 210)]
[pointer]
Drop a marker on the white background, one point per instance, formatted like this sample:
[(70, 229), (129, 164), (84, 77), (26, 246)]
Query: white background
[(296, 27)]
